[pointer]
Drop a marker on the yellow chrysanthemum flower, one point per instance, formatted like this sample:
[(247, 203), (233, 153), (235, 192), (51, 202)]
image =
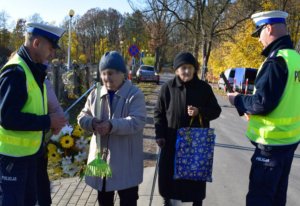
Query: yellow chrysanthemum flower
[(53, 156), (58, 171), (77, 132), (51, 147), (67, 141)]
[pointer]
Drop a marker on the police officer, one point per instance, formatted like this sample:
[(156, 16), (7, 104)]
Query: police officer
[(24, 114), (274, 120)]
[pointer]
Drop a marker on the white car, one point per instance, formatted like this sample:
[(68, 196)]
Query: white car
[(229, 74), (147, 73)]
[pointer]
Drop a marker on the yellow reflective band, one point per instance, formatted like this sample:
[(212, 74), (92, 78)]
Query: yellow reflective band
[(275, 135), (269, 121), (24, 142)]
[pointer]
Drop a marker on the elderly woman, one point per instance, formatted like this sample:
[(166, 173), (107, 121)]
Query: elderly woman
[(179, 100), (120, 127)]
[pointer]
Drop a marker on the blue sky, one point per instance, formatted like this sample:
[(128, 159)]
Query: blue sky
[(56, 10)]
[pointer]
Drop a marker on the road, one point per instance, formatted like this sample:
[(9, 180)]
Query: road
[(232, 161)]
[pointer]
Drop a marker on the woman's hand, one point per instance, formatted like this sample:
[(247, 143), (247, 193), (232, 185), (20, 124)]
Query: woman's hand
[(161, 142), (101, 127), (192, 111)]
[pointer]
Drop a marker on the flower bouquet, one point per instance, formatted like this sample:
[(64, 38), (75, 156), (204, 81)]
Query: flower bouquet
[(67, 152)]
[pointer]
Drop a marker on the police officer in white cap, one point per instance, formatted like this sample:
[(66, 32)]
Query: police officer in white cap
[(274, 120), (24, 117)]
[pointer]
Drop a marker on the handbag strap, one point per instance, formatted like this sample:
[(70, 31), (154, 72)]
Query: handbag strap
[(200, 120)]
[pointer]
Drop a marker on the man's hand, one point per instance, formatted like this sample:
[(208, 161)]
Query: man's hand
[(231, 97), (58, 121), (55, 131)]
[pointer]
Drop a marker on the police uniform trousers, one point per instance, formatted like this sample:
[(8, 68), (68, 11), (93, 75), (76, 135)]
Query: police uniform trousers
[(43, 182), (18, 181), (269, 175)]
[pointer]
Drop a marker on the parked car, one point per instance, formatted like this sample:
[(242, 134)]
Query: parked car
[(229, 74), (244, 80), (147, 73)]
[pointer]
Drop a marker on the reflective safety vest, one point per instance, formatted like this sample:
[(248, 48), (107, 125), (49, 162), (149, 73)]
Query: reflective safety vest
[(25, 143), (282, 125)]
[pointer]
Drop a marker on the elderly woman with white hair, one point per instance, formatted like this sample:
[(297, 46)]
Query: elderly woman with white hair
[(120, 127)]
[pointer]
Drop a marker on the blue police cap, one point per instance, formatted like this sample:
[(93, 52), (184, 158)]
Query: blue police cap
[(267, 17), (52, 33)]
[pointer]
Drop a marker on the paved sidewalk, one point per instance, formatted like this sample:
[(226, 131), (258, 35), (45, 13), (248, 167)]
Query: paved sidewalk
[(72, 191)]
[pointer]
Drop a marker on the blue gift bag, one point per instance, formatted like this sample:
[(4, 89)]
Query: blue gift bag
[(194, 154)]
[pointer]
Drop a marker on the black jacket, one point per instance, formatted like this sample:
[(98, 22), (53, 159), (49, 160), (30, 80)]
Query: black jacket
[(170, 114), (270, 81), (13, 95)]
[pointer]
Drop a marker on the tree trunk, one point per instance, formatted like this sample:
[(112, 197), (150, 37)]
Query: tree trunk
[(87, 77), (157, 58), (298, 46), (56, 80), (76, 79), (196, 47), (204, 59)]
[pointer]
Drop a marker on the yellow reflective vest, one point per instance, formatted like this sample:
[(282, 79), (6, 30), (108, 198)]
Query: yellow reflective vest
[(25, 143), (282, 125)]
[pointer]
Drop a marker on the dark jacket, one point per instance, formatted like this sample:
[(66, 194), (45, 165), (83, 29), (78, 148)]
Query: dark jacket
[(170, 114), (270, 81), (13, 95)]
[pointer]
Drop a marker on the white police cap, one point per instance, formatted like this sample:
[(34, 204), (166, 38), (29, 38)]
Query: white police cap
[(267, 17), (52, 33)]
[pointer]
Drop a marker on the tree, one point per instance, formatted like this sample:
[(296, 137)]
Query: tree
[(4, 38), (17, 36), (207, 20), (242, 51), (133, 30), (4, 33), (112, 26), (93, 27), (159, 28), (36, 18)]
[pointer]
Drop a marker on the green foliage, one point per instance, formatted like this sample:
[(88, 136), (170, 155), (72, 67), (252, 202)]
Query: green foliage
[(101, 48), (82, 59), (149, 60)]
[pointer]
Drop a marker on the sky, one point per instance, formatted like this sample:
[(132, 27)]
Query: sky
[(54, 11)]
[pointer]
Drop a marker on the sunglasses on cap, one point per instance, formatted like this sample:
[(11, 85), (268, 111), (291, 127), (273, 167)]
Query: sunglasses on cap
[(258, 30)]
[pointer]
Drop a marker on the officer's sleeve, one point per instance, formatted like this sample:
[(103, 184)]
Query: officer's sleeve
[(270, 83)]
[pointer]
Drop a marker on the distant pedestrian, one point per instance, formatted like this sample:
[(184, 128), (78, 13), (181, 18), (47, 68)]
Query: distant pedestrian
[(179, 100), (120, 125), (24, 117), (274, 116)]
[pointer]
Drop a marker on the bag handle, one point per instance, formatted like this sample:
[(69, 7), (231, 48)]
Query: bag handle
[(200, 120)]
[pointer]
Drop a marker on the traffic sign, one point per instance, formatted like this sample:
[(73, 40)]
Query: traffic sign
[(133, 50)]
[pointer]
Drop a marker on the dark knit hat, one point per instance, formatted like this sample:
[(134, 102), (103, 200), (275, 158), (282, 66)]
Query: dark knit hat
[(184, 58), (112, 60)]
